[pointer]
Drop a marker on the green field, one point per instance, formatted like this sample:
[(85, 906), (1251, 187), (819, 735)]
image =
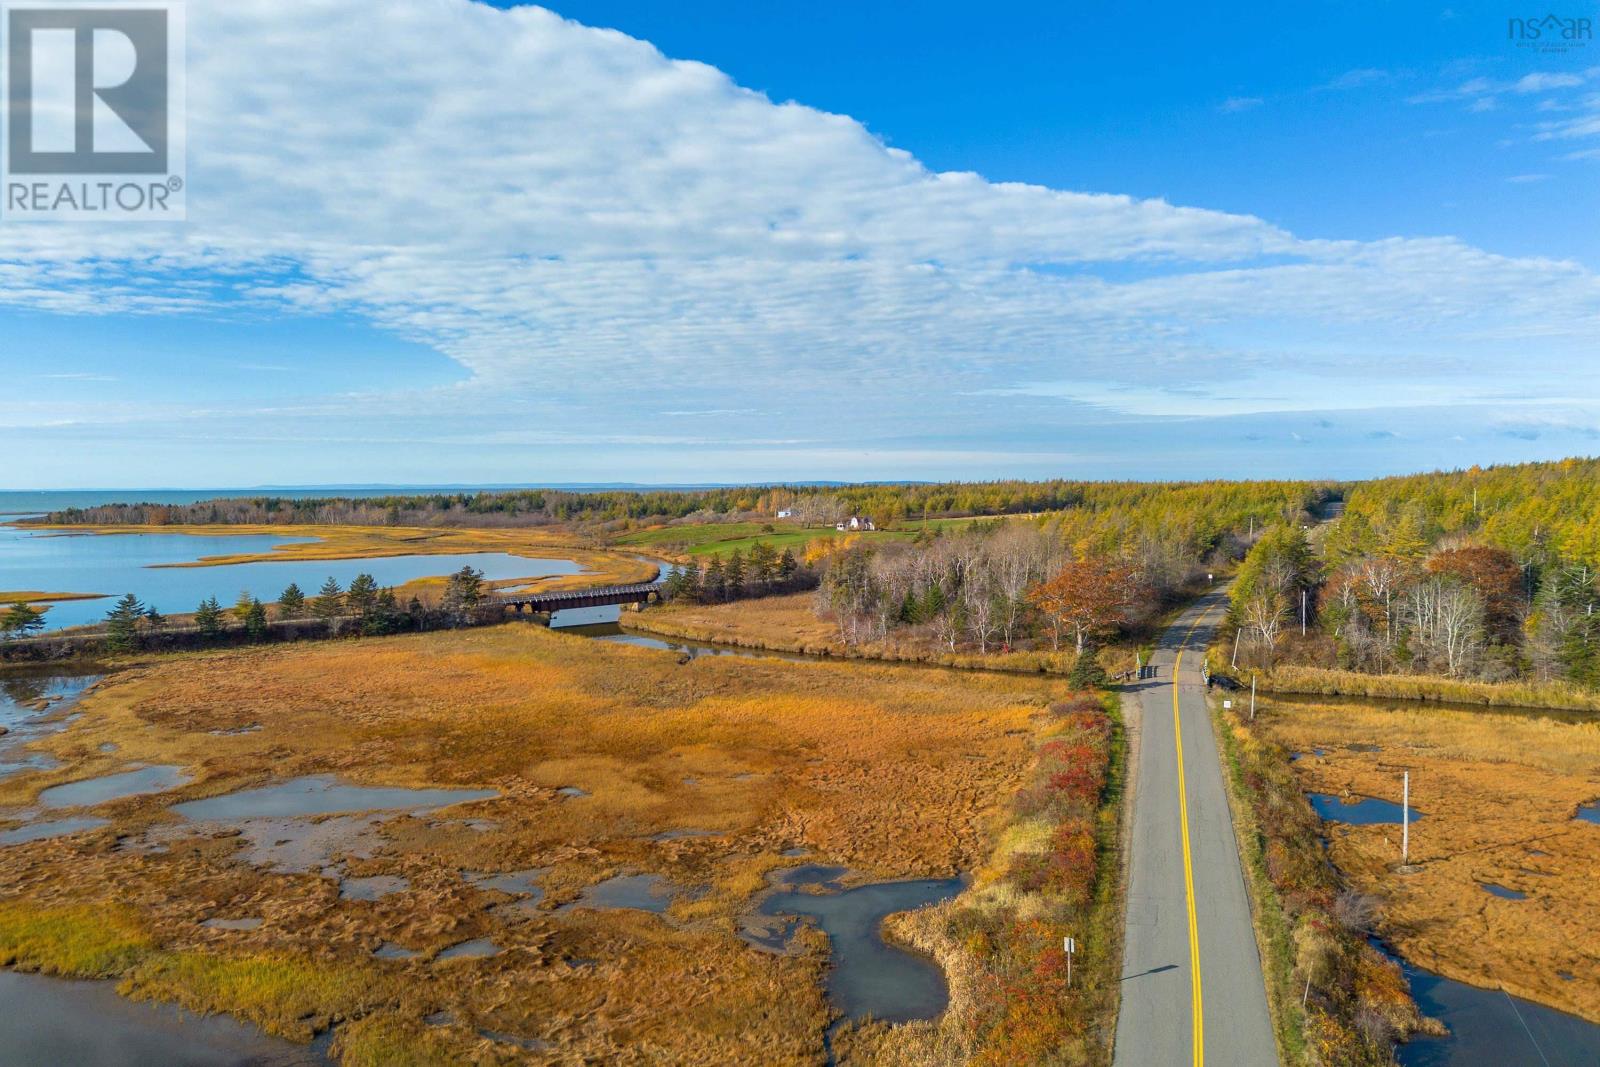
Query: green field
[(720, 539)]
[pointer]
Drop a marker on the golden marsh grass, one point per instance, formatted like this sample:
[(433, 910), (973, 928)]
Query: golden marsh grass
[(1497, 793), (892, 771)]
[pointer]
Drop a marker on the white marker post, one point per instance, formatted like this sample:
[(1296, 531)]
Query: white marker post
[(1405, 820), (1069, 945), (1252, 698)]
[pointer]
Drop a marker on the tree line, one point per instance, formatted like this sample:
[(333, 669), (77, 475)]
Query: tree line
[(1412, 595), (735, 576), (1070, 579), (364, 608), (887, 504)]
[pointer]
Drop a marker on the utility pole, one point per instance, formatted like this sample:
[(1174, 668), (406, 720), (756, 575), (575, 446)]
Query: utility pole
[(1405, 820), (1252, 698), (1234, 663), (1302, 613)]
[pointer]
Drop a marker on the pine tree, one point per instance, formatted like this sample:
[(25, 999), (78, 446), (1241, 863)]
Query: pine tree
[(715, 584), (733, 573), (329, 602), (122, 624), (362, 596), (787, 565), (292, 604), (153, 618), (20, 620), (763, 563), (255, 621), (208, 617), (241, 607), (672, 585)]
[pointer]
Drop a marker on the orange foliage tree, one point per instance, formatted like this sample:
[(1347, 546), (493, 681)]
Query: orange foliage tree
[(1087, 597), (1497, 577)]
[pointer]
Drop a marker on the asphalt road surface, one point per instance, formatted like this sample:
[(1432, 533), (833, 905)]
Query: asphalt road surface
[(1192, 989)]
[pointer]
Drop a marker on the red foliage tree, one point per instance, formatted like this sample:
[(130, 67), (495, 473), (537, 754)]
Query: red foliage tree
[(1087, 597)]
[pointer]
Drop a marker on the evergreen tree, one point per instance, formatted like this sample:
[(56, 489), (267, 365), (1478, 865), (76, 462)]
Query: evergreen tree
[(714, 586), (763, 564), (20, 620), (329, 602), (241, 607), (672, 585), (693, 583), (362, 596), (255, 621), (208, 617), (122, 624), (153, 618), (292, 603), (787, 565), (462, 593), (1087, 673), (733, 572)]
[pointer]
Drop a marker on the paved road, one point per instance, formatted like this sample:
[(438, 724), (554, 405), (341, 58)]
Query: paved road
[(1189, 938)]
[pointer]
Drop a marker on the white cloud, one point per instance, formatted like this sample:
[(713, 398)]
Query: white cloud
[(1240, 103), (596, 232)]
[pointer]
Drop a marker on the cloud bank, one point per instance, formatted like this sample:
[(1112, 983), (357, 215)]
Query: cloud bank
[(592, 230)]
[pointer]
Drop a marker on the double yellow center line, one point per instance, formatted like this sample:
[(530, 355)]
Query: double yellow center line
[(1197, 1001)]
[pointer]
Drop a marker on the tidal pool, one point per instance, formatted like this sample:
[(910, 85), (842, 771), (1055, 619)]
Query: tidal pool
[(322, 794), (86, 1024), (869, 977), (1590, 813), (1491, 1028), (33, 705), (374, 887), (39, 831), (91, 791), (517, 883), (475, 949), (1497, 890), (1368, 811), (641, 892)]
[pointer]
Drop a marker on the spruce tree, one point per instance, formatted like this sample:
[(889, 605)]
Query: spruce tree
[(122, 624), (292, 604), (362, 596), (255, 621), (208, 617), (20, 620), (329, 602)]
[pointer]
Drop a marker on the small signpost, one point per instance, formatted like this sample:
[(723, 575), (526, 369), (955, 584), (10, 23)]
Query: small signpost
[(1252, 698), (1226, 704), (1069, 945)]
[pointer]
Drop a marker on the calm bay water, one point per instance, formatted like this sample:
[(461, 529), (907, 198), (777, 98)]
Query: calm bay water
[(114, 564)]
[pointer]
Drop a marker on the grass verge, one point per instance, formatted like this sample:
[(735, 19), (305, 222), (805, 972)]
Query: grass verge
[(1320, 681)]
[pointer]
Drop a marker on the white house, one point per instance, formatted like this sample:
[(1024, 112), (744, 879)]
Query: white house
[(855, 522), (786, 513)]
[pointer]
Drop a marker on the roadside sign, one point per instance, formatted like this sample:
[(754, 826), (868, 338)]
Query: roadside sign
[(1227, 703), (1069, 944)]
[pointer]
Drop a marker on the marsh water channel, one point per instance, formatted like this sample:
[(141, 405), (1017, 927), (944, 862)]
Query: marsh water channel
[(1487, 1027), (147, 565), (303, 824)]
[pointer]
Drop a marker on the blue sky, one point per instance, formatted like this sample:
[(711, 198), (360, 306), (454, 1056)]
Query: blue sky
[(467, 245)]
